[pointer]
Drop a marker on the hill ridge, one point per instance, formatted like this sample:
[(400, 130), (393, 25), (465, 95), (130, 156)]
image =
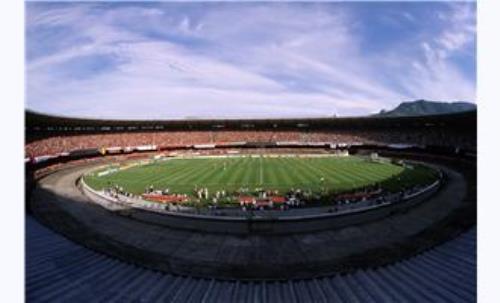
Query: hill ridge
[(425, 107)]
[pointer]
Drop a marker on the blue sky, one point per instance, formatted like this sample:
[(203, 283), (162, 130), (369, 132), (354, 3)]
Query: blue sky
[(233, 60)]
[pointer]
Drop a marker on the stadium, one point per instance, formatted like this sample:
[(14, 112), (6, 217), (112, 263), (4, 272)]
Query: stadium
[(350, 209)]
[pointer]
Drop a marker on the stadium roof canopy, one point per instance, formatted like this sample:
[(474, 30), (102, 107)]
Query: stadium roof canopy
[(460, 121)]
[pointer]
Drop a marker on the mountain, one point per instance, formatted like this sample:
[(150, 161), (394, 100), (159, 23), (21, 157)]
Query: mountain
[(424, 107)]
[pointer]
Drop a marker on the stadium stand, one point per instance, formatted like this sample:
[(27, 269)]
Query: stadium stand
[(68, 135), (60, 270)]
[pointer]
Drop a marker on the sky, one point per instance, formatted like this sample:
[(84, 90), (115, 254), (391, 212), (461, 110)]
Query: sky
[(246, 60)]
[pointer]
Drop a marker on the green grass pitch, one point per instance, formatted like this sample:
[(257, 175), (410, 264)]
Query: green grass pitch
[(335, 174)]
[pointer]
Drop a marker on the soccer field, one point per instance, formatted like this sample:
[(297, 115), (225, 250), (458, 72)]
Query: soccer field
[(283, 173)]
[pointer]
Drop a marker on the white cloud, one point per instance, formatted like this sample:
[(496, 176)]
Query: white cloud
[(236, 60), (461, 29), (438, 77)]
